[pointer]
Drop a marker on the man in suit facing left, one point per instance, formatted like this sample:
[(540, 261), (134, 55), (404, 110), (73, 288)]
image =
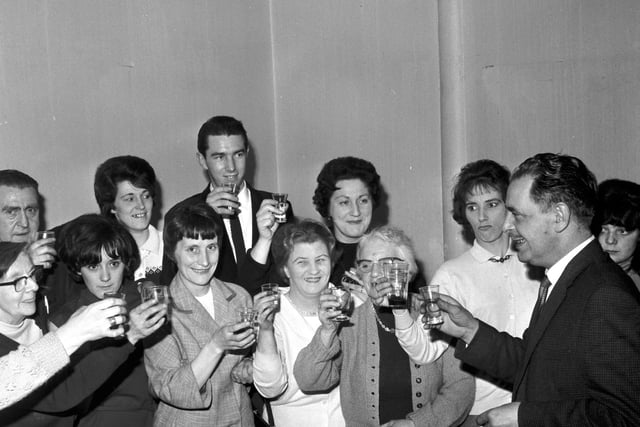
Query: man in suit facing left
[(246, 214), (577, 363)]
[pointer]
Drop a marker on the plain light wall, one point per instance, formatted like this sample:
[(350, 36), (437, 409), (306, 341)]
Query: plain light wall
[(559, 76), (84, 81), (361, 78)]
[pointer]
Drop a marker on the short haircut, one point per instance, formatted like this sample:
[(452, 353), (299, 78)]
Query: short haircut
[(9, 252), (118, 169), (618, 204), (17, 179), (396, 237), (291, 234), (197, 221), (344, 168), (82, 240), (483, 174), (559, 178), (217, 126)]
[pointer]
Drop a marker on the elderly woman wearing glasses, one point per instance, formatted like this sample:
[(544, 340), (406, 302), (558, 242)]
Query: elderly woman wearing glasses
[(24, 322), (379, 384)]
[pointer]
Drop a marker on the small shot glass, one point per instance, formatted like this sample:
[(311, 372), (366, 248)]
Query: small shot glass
[(271, 289), (282, 206), (248, 314), (158, 293), (116, 295)]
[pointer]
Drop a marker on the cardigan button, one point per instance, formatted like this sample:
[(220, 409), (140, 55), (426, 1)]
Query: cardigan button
[(418, 394), (416, 365), (419, 405), (418, 380)]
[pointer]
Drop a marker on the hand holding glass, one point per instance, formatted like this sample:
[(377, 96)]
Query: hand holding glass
[(271, 289), (160, 294), (433, 314), (397, 273), (116, 295), (248, 314), (344, 299)]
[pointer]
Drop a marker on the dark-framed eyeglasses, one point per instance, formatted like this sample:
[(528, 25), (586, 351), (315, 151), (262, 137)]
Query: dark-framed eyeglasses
[(366, 265), (20, 283)]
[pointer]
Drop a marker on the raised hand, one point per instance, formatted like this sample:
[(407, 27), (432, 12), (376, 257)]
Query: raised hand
[(92, 322), (236, 336), (145, 319), (266, 305), (266, 220), (458, 321), (327, 310), (223, 201), (42, 252)]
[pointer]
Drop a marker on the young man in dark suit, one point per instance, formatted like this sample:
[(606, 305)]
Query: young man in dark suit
[(578, 362), (246, 214)]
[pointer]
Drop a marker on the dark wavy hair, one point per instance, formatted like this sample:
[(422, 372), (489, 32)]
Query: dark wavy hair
[(484, 174), (9, 252), (304, 231), (344, 168), (198, 221), (220, 125), (560, 178), (82, 240), (118, 169)]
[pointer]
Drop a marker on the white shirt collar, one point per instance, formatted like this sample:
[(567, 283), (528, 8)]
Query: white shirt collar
[(556, 270), (480, 254), (152, 244)]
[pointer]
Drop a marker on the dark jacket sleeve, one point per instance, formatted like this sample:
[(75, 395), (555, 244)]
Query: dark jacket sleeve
[(496, 353)]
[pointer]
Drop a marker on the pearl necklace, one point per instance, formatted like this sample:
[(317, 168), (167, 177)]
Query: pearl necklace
[(382, 325), (302, 312)]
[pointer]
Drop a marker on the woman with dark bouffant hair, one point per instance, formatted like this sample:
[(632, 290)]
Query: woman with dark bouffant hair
[(348, 191), (125, 189), (194, 365)]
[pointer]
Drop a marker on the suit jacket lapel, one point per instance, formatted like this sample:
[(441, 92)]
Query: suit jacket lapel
[(256, 201), (535, 332), (201, 324)]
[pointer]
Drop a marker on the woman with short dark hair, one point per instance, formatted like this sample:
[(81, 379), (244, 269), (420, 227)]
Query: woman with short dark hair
[(617, 224), (102, 255), (190, 365), (125, 189)]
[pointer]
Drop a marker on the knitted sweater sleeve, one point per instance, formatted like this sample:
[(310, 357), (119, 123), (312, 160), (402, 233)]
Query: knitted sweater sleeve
[(28, 367)]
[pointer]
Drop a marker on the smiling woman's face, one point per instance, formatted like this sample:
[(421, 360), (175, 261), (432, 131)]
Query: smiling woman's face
[(196, 260), (309, 267), (16, 306), (350, 209)]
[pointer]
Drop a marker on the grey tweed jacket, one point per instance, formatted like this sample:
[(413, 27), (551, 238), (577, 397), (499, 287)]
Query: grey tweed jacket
[(220, 402)]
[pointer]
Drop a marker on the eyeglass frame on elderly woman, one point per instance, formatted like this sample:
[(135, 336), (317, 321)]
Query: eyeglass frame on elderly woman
[(367, 269), (35, 275)]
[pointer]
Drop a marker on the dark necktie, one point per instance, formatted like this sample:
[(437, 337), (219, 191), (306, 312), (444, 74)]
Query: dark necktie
[(238, 240), (542, 298), (499, 259)]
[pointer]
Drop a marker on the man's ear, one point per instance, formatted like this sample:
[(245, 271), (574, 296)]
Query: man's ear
[(202, 160), (561, 216)]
